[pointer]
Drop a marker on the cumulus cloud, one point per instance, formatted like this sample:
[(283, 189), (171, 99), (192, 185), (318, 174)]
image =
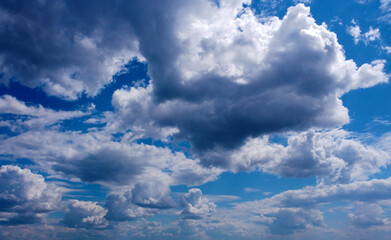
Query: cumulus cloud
[(82, 214), (120, 207), (152, 194), (232, 76), (332, 156), (288, 220), (25, 196), (195, 206), (366, 215), (66, 48)]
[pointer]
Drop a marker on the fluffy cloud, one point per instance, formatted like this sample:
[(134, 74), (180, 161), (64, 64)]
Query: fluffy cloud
[(370, 36), (82, 214), (366, 215), (229, 76), (67, 48), (330, 155), (195, 206), (95, 157), (152, 194), (121, 208), (286, 221), (31, 117), (293, 210), (25, 196)]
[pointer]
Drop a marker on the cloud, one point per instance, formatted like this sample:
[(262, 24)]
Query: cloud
[(24, 196), (82, 214), (152, 194), (366, 215), (311, 196), (120, 207), (95, 157), (385, 5), (66, 48), (373, 34), (231, 76), (288, 220), (331, 156), (295, 210), (195, 206), (355, 32), (30, 117)]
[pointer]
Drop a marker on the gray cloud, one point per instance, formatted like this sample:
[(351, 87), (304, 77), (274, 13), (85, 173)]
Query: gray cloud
[(229, 78), (67, 48)]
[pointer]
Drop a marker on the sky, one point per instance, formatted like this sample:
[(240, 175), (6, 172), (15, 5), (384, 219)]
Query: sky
[(204, 119)]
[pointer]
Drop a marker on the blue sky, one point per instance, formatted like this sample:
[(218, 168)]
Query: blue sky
[(264, 119)]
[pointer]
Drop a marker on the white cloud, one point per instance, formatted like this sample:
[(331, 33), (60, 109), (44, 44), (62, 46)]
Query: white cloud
[(385, 5), (373, 34), (366, 215), (195, 206), (294, 210), (152, 194), (232, 70), (355, 32), (387, 48), (121, 207), (95, 157), (330, 155), (311, 196), (286, 221), (25, 196), (32, 117), (84, 214)]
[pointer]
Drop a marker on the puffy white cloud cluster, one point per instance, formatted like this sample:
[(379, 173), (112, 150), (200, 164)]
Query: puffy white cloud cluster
[(121, 207), (82, 214), (25, 197), (330, 155), (195, 206)]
